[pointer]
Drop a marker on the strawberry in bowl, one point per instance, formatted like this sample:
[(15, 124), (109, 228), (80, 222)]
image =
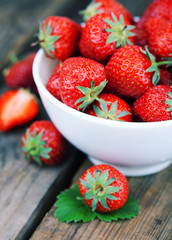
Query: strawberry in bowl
[(101, 93)]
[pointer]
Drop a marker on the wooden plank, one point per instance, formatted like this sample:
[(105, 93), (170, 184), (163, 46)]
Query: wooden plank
[(26, 190), (154, 222)]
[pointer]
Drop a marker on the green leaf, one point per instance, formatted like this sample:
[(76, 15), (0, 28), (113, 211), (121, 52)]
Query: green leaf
[(128, 211), (71, 207)]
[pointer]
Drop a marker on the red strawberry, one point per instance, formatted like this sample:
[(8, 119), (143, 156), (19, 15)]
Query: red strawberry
[(112, 107), (160, 37), (165, 77), (157, 8), (16, 108), (53, 82), (108, 6), (43, 143), (104, 188), (131, 71), (155, 104), (20, 73), (81, 81), (59, 37), (102, 34)]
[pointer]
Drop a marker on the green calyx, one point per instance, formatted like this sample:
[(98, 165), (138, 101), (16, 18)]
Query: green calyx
[(154, 67), (169, 102), (47, 40), (90, 11), (35, 148), (111, 113), (99, 188), (90, 94), (119, 31)]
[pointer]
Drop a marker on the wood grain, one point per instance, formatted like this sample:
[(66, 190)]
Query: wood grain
[(154, 222), (26, 190)]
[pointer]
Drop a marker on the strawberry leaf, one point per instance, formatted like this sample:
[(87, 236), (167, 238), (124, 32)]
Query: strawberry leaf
[(72, 208)]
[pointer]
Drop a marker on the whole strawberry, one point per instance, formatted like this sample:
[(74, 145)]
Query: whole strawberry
[(81, 81), (108, 6), (103, 34), (103, 188), (112, 108), (131, 71), (16, 108), (160, 37), (53, 82), (59, 37), (157, 8), (43, 143), (155, 104), (20, 73)]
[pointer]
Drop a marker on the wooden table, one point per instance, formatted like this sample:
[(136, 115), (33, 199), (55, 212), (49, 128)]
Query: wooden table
[(27, 192)]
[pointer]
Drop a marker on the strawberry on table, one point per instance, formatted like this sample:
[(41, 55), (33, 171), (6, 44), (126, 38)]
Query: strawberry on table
[(112, 107), (59, 37), (108, 6), (81, 81), (16, 108), (20, 73), (131, 71), (155, 104), (104, 188), (103, 34), (43, 143)]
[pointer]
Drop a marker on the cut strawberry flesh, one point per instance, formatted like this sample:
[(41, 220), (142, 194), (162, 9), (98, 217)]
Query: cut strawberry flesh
[(17, 107)]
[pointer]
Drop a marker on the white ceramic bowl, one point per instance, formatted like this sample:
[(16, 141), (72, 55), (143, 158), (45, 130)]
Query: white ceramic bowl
[(135, 148)]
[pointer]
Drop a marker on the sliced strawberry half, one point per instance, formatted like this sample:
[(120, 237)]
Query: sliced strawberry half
[(16, 107)]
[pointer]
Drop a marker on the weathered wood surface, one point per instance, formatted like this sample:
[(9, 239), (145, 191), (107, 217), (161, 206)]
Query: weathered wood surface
[(153, 223)]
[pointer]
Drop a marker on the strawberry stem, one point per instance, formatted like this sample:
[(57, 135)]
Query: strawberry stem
[(37, 42)]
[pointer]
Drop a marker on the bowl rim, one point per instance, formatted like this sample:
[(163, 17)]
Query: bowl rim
[(35, 69)]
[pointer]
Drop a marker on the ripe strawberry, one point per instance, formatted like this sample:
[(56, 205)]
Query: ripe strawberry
[(102, 34), (81, 81), (155, 104), (53, 82), (112, 107), (20, 73), (104, 188), (131, 71), (108, 6), (160, 37), (16, 108), (59, 37), (43, 143), (157, 8)]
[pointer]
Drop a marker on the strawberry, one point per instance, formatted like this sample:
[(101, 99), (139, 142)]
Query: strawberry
[(103, 188), (157, 8), (43, 143), (59, 37), (160, 37), (20, 73), (108, 6), (53, 82), (112, 107), (16, 108), (131, 71), (81, 81), (102, 34), (155, 104)]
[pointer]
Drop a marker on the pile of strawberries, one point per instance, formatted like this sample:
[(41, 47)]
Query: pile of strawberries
[(111, 66)]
